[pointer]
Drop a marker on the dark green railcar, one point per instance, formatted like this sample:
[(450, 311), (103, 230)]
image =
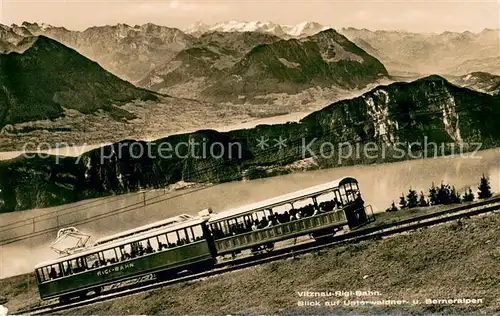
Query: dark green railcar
[(162, 252)]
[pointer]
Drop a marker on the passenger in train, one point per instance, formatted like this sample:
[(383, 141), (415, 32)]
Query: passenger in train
[(359, 201), (274, 219), (255, 225), (316, 211), (149, 249), (160, 246), (285, 218), (68, 271), (140, 249), (335, 205), (263, 223), (53, 273), (298, 215)]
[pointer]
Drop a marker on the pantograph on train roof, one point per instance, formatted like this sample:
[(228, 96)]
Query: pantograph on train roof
[(293, 196)]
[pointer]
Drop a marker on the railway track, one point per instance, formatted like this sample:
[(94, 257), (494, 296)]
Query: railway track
[(375, 232)]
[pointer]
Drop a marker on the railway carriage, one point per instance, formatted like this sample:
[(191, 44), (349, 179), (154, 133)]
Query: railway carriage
[(184, 242), (161, 251), (333, 205)]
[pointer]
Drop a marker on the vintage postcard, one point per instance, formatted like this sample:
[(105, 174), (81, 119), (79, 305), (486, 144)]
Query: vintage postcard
[(224, 157)]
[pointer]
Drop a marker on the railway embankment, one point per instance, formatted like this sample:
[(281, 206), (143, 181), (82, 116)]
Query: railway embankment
[(449, 268)]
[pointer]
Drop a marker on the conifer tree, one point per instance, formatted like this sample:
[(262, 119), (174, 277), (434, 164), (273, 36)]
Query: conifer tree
[(412, 198), (484, 188), (402, 201), (433, 200), (468, 196), (422, 201)]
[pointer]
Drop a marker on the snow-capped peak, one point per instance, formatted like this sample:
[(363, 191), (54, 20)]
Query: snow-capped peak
[(304, 29), (299, 30)]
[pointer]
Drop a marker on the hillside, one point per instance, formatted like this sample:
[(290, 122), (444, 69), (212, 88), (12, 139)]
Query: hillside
[(289, 66), (393, 116), (425, 264), (69, 81)]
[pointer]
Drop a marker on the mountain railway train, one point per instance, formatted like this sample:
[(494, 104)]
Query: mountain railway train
[(182, 243)]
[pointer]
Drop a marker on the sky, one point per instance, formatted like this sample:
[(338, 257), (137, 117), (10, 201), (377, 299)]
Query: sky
[(416, 16)]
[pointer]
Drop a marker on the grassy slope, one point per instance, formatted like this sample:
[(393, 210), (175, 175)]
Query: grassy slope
[(456, 260)]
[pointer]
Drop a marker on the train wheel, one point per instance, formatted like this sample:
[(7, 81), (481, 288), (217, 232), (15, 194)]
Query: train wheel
[(97, 291)]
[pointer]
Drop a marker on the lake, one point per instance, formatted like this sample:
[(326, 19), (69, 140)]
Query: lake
[(380, 184)]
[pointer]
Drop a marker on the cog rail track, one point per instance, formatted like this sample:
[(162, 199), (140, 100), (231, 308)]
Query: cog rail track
[(376, 232)]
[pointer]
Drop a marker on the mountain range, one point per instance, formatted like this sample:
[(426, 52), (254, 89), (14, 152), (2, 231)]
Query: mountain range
[(401, 52), (132, 52), (127, 51), (399, 113), (263, 64)]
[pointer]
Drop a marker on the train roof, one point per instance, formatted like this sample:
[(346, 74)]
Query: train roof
[(269, 203), (124, 241), (144, 228)]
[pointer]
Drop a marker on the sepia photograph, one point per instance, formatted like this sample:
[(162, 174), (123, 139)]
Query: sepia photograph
[(249, 157)]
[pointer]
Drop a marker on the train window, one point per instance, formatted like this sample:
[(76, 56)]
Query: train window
[(325, 197), (343, 194), (172, 239), (189, 233), (338, 196), (144, 247), (125, 252), (44, 274), (54, 271), (78, 265), (65, 268), (152, 245), (197, 232), (93, 261), (225, 228), (182, 237), (302, 203), (162, 242), (38, 273), (108, 256), (135, 249)]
